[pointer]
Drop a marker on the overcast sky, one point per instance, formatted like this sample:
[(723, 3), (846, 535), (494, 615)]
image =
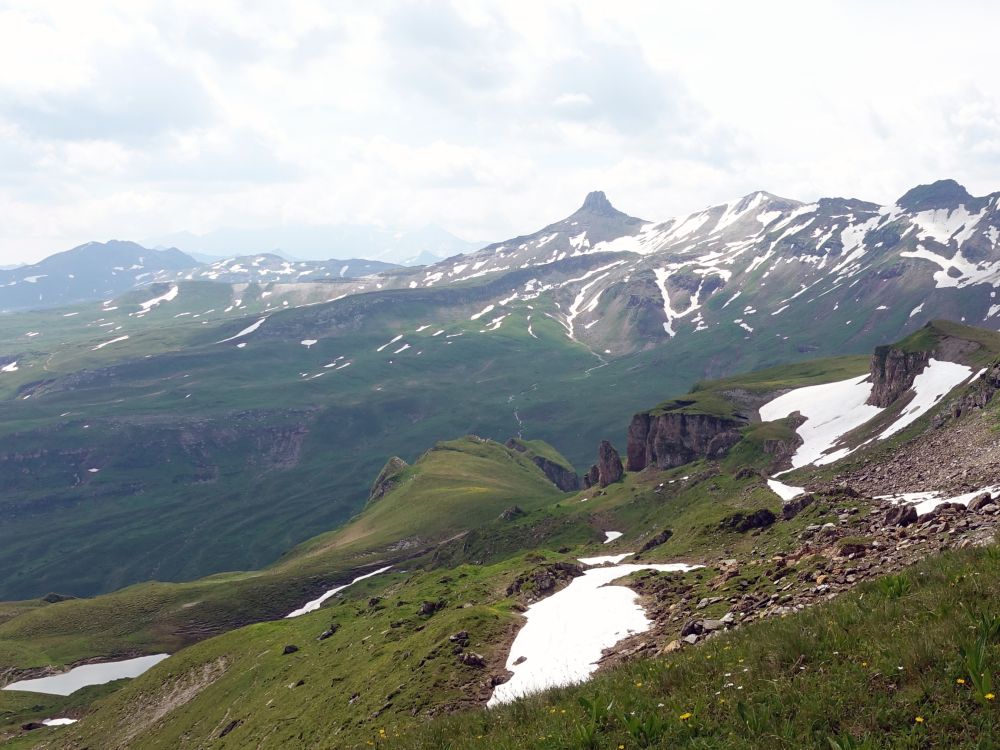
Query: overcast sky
[(137, 118)]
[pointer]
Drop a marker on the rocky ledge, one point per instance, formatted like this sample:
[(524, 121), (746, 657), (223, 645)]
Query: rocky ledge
[(672, 439)]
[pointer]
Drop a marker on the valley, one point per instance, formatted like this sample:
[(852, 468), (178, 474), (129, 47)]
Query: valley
[(268, 480), (449, 553)]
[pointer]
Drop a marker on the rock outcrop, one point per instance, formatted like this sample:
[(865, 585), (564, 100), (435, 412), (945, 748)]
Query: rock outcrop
[(608, 468), (561, 476), (893, 372), (673, 439), (387, 479)]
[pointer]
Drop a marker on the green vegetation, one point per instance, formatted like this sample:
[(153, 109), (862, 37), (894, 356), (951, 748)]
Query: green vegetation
[(930, 336), (727, 397), (458, 485), (871, 669)]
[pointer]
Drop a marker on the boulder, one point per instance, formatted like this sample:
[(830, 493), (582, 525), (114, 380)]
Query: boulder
[(796, 505), (743, 522), (471, 659), (290, 649), (657, 540), (509, 514), (901, 515), (980, 501)]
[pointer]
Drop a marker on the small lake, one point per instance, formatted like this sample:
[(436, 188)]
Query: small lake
[(88, 674)]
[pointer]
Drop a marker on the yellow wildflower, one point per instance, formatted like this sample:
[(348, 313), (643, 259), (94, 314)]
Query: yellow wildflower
[(989, 696), (960, 681), (685, 716), (919, 720)]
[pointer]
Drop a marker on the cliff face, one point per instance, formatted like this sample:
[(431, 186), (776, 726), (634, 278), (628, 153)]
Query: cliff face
[(559, 475), (893, 372), (608, 468), (387, 479), (673, 439)]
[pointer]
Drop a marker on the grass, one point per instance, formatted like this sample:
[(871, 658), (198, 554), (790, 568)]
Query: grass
[(873, 668), (456, 486)]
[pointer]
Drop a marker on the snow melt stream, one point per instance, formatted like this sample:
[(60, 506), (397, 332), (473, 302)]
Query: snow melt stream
[(566, 633)]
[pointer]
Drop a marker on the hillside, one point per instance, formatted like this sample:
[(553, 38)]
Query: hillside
[(326, 378), (432, 633)]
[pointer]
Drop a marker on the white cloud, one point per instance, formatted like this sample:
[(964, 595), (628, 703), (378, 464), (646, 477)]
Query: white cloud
[(139, 118)]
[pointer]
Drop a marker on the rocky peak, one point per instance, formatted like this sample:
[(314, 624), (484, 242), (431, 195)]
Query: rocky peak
[(608, 468), (597, 204), (940, 194)]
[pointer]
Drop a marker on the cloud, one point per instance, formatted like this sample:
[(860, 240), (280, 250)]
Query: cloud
[(134, 95), (138, 119)]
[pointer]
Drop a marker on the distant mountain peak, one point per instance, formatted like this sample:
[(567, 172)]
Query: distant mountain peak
[(597, 202), (939, 194)]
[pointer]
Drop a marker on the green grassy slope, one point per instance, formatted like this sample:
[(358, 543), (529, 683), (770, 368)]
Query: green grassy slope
[(454, 487), (384, 654), (880, 667)]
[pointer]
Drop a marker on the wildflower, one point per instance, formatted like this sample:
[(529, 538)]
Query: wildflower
[(864, 664), (621, 747), (960, 681), (638, 684), (685, 716), (919, 720), (989, 696)]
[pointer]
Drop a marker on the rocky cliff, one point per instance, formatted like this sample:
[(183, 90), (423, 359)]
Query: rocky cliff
[(562, 477), (673, 438), (387, 479), (608, 468), (893, 371)]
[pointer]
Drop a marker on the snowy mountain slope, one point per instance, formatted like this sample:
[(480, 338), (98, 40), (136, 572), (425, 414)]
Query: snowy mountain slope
[(95, 270), (268, 267), (760, 265)]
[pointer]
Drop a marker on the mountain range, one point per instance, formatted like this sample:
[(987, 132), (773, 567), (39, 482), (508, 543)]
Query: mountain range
[(395, 247)]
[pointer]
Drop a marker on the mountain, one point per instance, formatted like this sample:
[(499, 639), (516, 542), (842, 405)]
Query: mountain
[(876, 542), (259, 384), (97, 270), (270, 268), (105, 270), (325, 241)]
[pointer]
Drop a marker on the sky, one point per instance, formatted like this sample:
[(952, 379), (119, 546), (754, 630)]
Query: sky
[(133, 119)]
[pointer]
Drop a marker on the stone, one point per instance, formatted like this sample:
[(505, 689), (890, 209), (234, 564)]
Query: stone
[(509, 514), (742, 522), (901, 515), (609, 465), (980, 501), (672, 647), (657, 540), (290, 649), (471, 659), (796, 505)]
